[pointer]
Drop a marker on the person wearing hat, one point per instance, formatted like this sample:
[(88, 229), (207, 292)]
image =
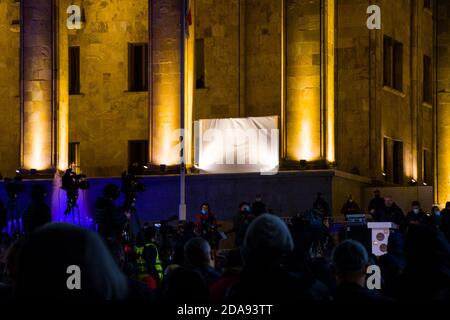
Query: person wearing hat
[(38, 212), (268, 245), (376, 205)]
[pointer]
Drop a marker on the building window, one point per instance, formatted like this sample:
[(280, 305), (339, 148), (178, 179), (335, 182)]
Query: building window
[(200, 63), (74, 70), (427, 167), (392, 63), (137, 153), (398, 66), (427, 4), (393, 161), (74, 156), (387, 61), (137, 67), (427, 84)]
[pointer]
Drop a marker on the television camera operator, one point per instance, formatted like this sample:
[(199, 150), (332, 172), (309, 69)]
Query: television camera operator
[(110, 219), (131, 186), (72, 183), (38, 212)]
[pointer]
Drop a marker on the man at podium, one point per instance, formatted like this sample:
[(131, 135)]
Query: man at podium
[(391, 213)]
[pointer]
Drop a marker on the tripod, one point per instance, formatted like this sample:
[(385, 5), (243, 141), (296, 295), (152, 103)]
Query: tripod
[(130, 208), (72, 206), (13, 215)]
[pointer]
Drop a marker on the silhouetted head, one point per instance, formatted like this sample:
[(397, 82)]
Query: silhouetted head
[(111, 191), (51, 259), (185, 285), (38, 193), (350, 260), (197, 252), (267, 242)]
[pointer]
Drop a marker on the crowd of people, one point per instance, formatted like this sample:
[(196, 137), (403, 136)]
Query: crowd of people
[(272, 260)]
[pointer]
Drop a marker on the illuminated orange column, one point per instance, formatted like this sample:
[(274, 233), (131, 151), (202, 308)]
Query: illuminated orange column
[(165, 37), (442, 150), (36, 91)]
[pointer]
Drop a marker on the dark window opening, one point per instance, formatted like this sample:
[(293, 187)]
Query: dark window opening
[(74, 70), (137, 154), (392, 63), (393, 161), (397, 174), (74, 156), (387, 61), (137, 67), (428, 167), (199, 63), (427, 84), (427, 4), (398, 66)]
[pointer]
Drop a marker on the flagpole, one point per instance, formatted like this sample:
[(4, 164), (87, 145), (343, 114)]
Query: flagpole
[(182, 208)]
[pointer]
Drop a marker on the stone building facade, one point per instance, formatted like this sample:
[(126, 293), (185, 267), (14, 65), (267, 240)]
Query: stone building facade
[(369, 103)]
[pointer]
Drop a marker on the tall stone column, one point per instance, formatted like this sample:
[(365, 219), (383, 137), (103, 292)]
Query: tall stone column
[(37, 87), (165, 37), (443, 106), (309, 120), (62, 111)]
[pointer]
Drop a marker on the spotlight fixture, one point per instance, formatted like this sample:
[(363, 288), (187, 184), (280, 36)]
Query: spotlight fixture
[(163, 168), (33, 172)]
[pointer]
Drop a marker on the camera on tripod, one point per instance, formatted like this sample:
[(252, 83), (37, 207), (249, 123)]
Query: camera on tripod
[(14, 186), (131, 184), (73, 182)]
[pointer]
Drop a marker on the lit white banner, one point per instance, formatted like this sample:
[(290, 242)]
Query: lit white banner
[(237, 145)]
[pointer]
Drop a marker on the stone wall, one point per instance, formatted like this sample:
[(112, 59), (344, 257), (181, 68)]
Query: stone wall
[(353, 66), (262, 58), (368, 111), (217, 22), (9, 88), (105, 116)]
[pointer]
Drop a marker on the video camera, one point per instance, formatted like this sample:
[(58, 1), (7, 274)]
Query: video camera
[(72, 181), (131, 184), (14, 186)]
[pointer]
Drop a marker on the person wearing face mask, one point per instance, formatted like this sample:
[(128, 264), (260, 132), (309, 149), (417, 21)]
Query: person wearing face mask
[(436, 218), (350, 207), (207, 225), (416, 215), (241, 221)]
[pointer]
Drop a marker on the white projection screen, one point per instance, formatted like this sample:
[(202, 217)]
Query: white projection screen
[(237, 145)]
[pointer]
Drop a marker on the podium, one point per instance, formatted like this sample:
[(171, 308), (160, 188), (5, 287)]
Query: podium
[(380, 236)]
